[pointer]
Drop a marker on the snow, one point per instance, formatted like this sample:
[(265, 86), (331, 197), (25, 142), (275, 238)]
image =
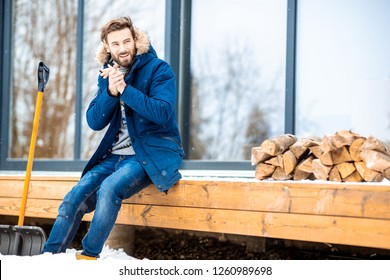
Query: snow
[(107, 254), (65, 265), (116, 264)]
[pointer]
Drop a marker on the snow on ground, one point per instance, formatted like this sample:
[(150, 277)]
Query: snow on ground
[(107, 254), (115, 264), (65, 266)]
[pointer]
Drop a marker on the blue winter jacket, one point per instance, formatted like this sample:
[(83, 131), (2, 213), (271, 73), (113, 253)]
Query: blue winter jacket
[(149, 99)]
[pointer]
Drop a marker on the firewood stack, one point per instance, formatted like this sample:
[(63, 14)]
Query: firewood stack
[(342, 157)]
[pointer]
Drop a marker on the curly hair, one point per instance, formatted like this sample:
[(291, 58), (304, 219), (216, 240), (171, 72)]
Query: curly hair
[(115, 25)]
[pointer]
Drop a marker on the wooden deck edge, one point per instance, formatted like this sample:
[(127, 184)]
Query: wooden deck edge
[(351, 214), (314, 228), (317, 198)]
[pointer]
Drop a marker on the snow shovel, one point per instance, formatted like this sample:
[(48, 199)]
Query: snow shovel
[(26, 240)]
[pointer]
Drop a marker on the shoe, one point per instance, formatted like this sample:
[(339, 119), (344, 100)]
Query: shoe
[(80, 256)]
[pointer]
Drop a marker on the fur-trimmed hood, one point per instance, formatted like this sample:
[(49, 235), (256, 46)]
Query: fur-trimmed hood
[(142, 44)]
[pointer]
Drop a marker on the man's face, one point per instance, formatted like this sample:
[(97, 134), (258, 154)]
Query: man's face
[(121, 45)]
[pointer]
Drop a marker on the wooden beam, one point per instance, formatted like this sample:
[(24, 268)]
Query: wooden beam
[(315, 228), (331, 212), (369, 200), (328, 229)]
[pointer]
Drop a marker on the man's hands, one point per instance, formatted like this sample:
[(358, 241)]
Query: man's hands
[(116, 82)]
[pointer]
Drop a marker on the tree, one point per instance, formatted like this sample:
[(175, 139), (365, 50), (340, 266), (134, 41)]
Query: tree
[(229, 87), (257, 130), (196, 146), (47, 31), (44, 33)]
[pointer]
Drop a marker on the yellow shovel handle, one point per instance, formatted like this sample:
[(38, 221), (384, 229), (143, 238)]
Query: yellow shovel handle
[(30, 158)]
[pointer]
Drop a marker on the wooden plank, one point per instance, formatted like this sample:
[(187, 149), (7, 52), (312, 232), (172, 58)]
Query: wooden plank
[(328, 229), (47, 189), (58, 177), (316, 228), (370, 200), (38, 208)]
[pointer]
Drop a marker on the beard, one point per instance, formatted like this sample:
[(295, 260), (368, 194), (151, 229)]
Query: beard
[(123, 61)]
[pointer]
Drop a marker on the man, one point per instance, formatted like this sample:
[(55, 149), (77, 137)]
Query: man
[(136, 100)]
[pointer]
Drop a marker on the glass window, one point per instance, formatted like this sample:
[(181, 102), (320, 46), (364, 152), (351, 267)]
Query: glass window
[(148, 16), (343, 67), (43, 31), (238, 76)]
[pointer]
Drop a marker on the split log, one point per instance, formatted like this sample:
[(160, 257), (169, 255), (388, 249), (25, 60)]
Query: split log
[(276, 161), (345, 169), (386, 173), (375, 160), (289, 162), (302, 175), (334, 175), (280, 175), (278, 144), (258, 155), (368, 174), (341, 155), (344, 138), (300, 149), (307, 164), (336, 156), (326, 144), (264, 171), (353, 177), (316, 150), (326, 158), (375, 144), (355, 149), (320, 170)]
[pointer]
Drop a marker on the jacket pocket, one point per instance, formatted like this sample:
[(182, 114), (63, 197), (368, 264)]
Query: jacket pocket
[(166, 142)]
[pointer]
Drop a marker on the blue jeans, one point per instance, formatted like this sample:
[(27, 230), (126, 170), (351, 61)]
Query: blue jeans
[(101, 189)]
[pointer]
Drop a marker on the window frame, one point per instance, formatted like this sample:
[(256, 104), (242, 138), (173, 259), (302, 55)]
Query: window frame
[(178, 52)]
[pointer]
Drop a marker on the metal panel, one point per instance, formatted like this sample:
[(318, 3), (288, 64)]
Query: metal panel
[(290, 67), (5, 80), (79, 79)]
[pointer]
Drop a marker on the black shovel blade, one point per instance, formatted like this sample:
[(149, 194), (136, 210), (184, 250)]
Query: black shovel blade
[(21, 240)]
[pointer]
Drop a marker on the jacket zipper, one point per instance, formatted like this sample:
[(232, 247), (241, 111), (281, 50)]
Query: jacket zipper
[(172, 139)]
